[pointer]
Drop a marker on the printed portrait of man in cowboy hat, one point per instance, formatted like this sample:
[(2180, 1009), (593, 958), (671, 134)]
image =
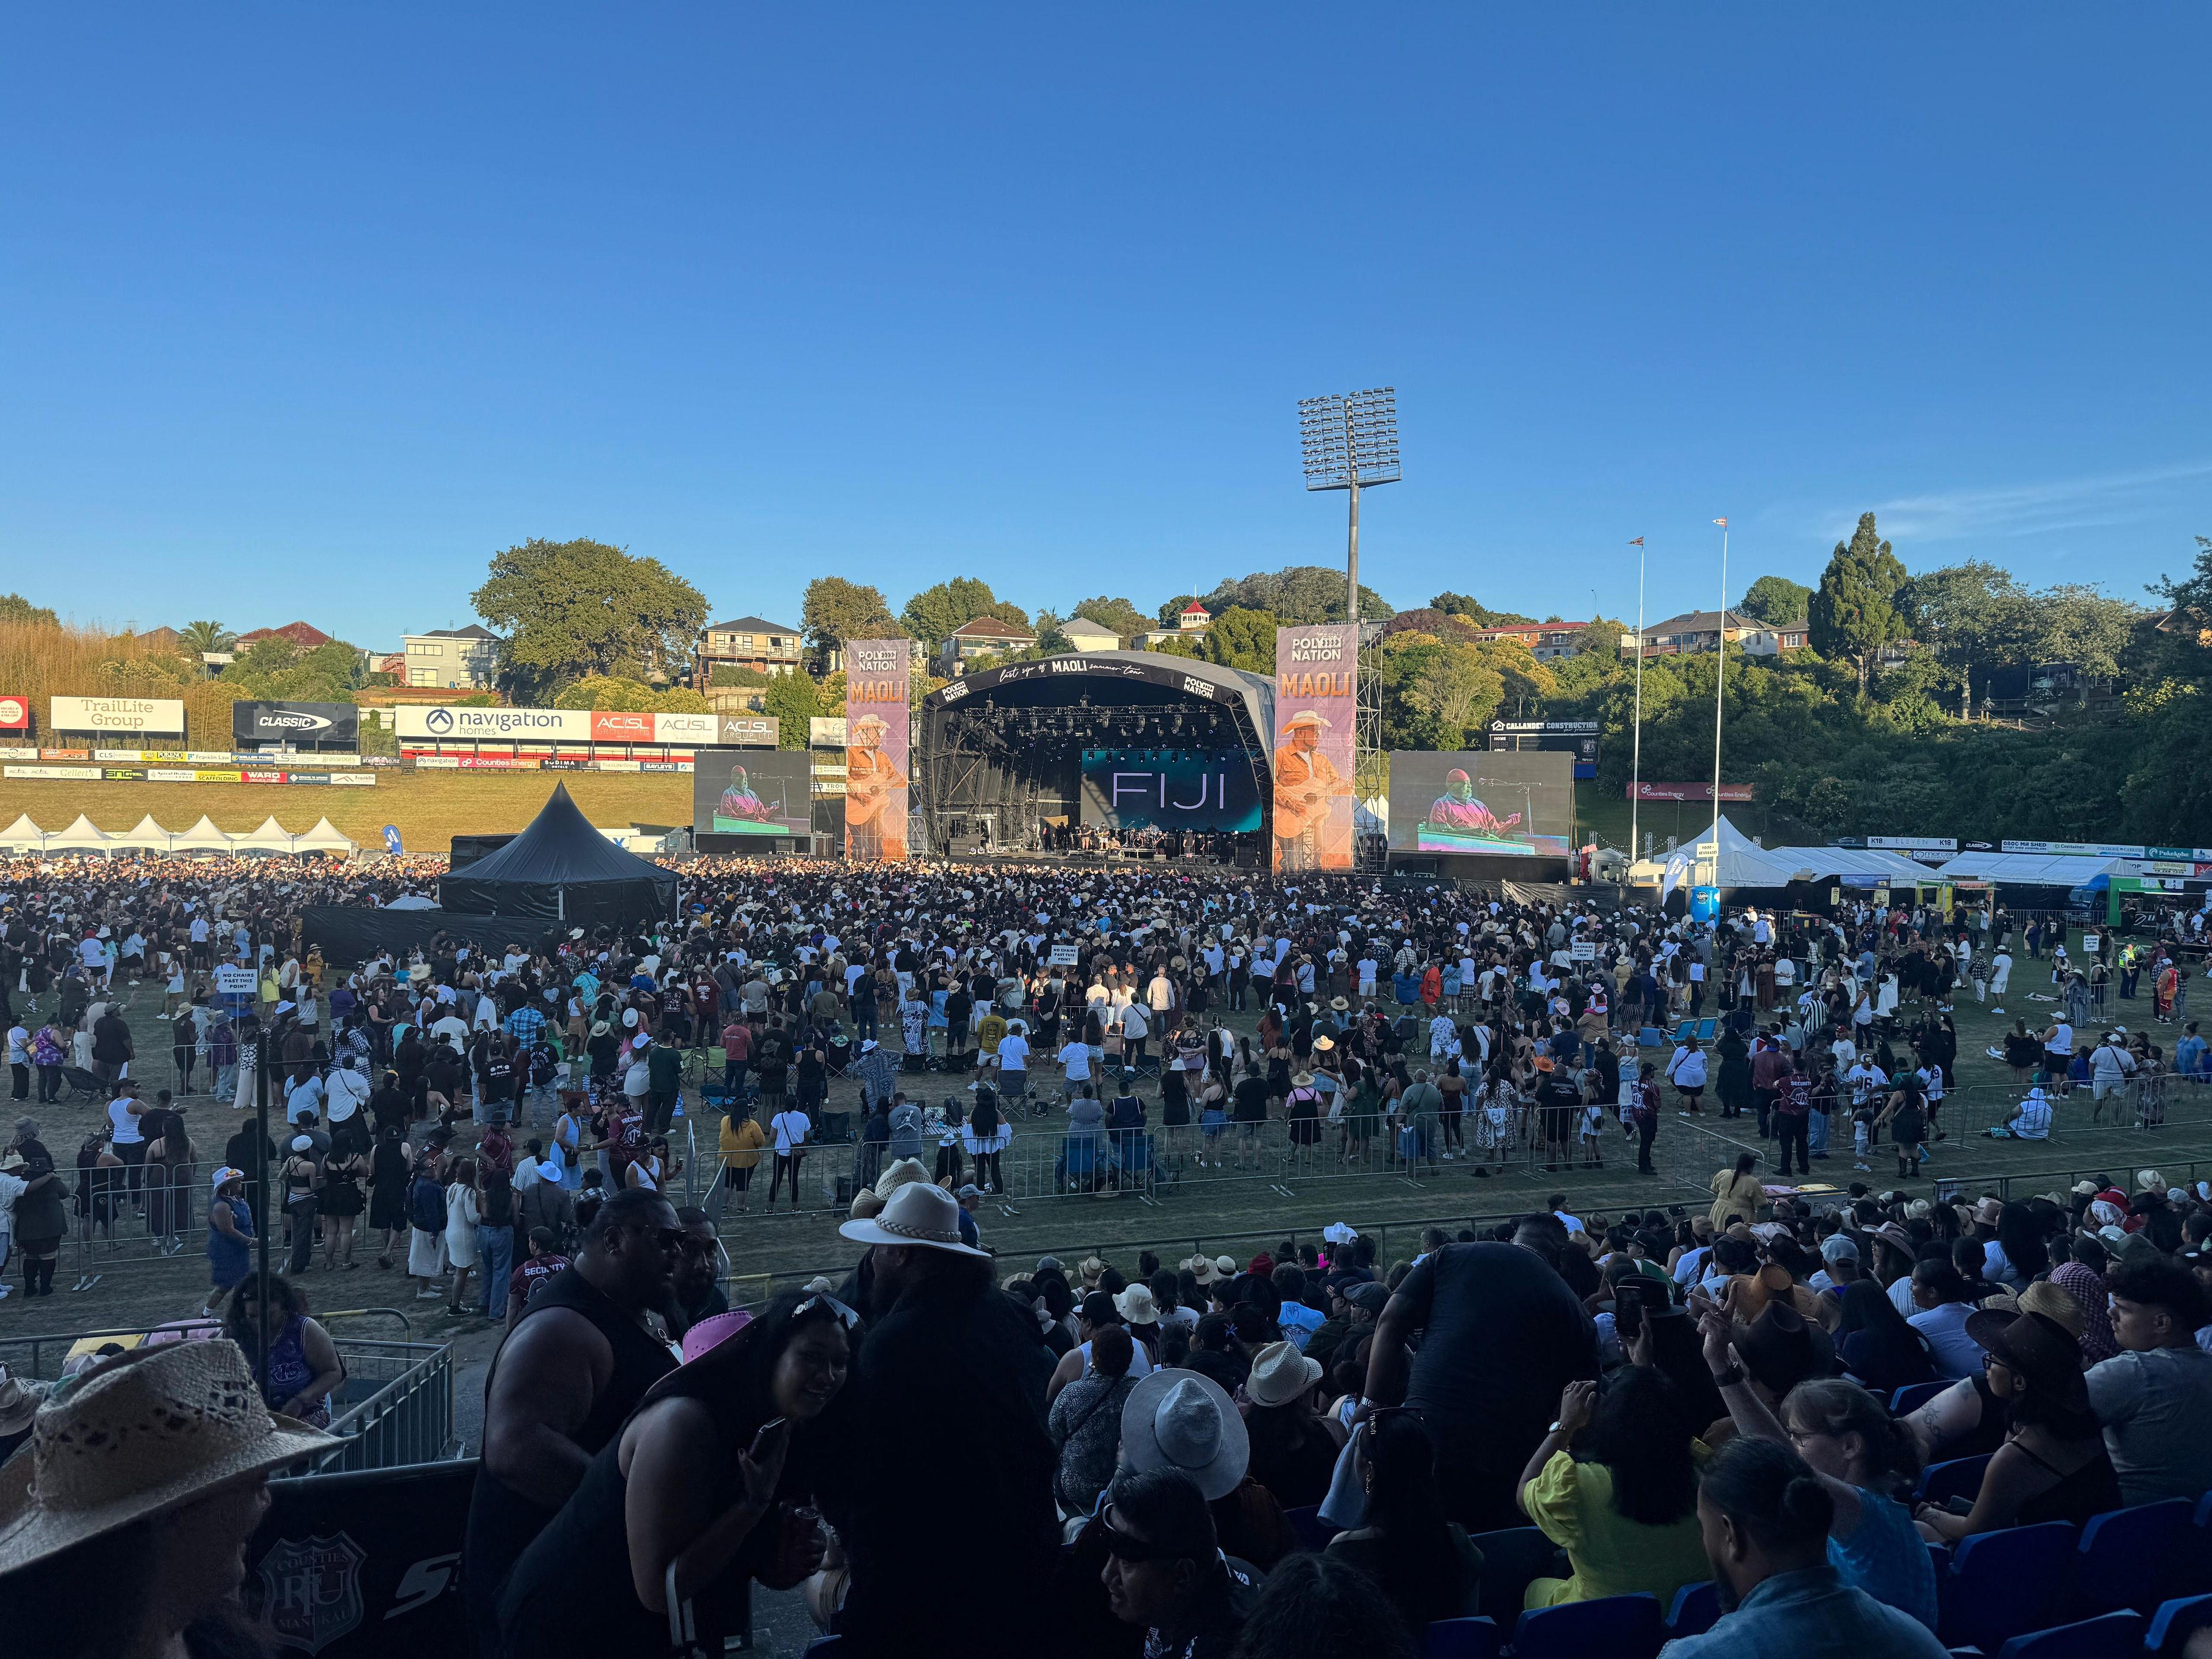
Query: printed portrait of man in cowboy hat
[(875, 794), (1307, 785)]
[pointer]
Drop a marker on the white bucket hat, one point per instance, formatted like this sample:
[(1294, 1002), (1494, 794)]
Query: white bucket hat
[(920, 1213), (1177, 1419), (1136, 1305), (145, 1432)]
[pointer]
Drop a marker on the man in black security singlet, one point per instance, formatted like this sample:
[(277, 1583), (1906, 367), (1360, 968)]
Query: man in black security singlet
[(581, 1356)]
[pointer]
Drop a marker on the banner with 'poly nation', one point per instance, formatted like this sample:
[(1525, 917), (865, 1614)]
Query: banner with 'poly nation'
[(876, 763), (1314, 710)]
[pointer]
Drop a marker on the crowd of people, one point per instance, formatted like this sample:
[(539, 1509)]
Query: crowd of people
[(1664, 1398)]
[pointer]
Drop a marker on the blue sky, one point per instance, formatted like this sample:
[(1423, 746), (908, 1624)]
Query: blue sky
[(307, 311)]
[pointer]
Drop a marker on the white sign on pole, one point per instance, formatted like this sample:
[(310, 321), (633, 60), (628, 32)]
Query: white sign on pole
[(1582, 949), (232, 980), (1064, 955)]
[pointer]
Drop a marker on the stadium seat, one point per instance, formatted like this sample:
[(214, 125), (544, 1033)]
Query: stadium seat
[(2175, 1622), (825, 1647), (1510, 1557), (1313, 1532), (1961, 1477), (2003, 1584), (2112, 1636), (1460, 1638), (2128, 1558), (1911, 1398), (2192, 1559), (1614, 1626), (1697, 1609)]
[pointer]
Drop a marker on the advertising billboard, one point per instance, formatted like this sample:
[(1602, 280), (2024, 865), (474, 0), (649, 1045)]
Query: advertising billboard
[(746, 731), (752, 792), (140, 716), (451, 725), (301, 724), (1170, 789), (1679, 792), (686, 730), (1315, 708), (877, 766), (15, 713), (1576, 738), (1491, 803), (620, 727)]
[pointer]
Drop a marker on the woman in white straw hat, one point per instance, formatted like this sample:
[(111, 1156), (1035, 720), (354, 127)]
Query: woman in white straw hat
[(123, 1524), (1294, 1453)]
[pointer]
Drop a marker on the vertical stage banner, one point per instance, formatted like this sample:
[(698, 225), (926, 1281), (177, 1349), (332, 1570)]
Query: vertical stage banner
[(1315, 708), (876, 761)]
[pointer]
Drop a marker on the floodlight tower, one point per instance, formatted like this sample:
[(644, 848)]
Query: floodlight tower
[(1350, 439)]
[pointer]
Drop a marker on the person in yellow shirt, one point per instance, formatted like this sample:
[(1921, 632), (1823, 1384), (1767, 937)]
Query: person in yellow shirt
[(739, 1152), (1625, 1512)]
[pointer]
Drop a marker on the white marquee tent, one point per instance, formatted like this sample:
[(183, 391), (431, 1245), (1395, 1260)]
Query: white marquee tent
[(270, 837), (80, 837), (325, 837), (202, 837), (145, 834), (1745, 863), (22, 835)]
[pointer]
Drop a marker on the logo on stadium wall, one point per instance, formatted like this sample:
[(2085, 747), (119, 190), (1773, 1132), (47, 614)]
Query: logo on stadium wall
[(311, 1591), (622, 728), (439, 719), (15, 713)]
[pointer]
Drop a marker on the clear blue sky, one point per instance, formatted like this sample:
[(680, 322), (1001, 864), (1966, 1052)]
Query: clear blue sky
[(305, 311)]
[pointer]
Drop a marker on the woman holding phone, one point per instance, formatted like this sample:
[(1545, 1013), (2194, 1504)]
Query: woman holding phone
[(705, 1487)]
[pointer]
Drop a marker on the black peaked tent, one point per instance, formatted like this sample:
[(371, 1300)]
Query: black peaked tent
[(560, 870)]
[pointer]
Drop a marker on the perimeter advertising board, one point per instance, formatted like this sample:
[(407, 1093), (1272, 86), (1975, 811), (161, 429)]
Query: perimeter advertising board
[(1316, 705), (454, 724), (295, 723), (140, 716), (1488, 803), (875, 753), (15, 713), (752, 791)]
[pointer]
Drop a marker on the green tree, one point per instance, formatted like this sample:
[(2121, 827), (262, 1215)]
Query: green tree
[(1123, 617), (1241, 638), (615, 695), (1854, 613), (275, 669), (1458, 690), (1171, 608), (835, 611), (1466, 604), (1776, 600), (794, 699), (735, 674), (14, 608), (1299, 593), (576, 608), (202, 637), (931, 615)]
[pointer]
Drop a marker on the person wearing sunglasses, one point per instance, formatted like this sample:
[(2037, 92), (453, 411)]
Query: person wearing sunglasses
[(576, 1363), (1164, 1571), (711, 1484)]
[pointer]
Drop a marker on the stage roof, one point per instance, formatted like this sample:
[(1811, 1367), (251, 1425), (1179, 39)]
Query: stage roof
[(1082, 672)]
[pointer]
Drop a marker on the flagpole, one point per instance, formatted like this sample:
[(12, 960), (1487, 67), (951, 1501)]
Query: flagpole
[(1636, 764), (1720, 669)]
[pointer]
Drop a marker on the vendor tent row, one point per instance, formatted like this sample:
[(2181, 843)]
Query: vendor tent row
[(83, 836), (1744, 863)]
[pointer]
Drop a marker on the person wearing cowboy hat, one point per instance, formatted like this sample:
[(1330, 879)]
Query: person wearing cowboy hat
[(159, 1457), (1293, 1454), (18, 1404), (945, 1346), (2053, 1465)]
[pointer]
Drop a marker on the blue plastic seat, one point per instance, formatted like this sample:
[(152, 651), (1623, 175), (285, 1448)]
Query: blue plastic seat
[(2003, 1584), (1313, 1532), (1697, 1609), (1910, 1398), (2126, 1558), (1961, 1477), (1461, 1638), (1617, 1626), (2111, 1636), (2175, 1622)]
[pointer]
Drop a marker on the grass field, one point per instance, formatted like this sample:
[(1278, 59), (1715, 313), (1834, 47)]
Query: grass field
[(429, 808)]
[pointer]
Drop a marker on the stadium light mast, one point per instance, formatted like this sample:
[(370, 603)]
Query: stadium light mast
[(1350, 442)]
